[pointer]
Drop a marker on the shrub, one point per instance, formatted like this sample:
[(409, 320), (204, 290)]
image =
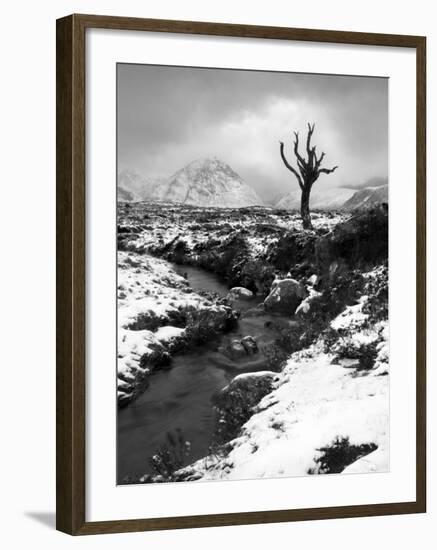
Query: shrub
[(158, 358), (257, 276), (146, 321), (294, 248), (359, 242), (235, 403), (276, 357), (224, 258), (171, 456), (340, 453), (180, 252), (352, 348), (377, 290)]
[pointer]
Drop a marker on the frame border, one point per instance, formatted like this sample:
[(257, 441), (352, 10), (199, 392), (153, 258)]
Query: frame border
[(70, 273)]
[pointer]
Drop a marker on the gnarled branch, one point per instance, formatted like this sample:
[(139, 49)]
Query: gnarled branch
[(296, 149), (288, 165), (319, 160), (327, 170), (309, 135)]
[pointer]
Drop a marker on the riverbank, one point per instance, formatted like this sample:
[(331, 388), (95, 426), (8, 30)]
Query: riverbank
[(326, 412), (180, 395), (159, 314)]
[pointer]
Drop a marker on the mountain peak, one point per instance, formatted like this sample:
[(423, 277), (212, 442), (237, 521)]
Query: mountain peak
[(210, 182), (207, 181), (209, 164)]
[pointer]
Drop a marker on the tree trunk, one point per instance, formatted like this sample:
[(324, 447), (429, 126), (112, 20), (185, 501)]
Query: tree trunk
[(310, 170), (305, 209)]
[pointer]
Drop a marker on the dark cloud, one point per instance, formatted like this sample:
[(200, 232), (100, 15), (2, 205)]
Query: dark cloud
[(169, 116)]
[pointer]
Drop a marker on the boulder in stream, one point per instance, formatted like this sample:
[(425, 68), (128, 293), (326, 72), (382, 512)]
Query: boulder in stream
[(240, 293), (250, 345), (237, 349), (285, 296)]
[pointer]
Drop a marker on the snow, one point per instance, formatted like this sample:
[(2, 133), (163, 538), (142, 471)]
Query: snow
[(209, 182), (179, 223), (313, 404), (305, 305), (257, 374), (314, 400), (150, 285), (371, 463), (351, 317), (168, 333), (132, 345), (148, 290)]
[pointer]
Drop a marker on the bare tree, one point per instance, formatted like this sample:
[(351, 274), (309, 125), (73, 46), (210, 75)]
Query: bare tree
[(310, 170)]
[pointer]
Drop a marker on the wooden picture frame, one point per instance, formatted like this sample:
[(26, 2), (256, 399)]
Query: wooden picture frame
[(71, 247)]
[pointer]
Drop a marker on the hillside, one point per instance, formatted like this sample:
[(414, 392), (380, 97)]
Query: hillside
[(204, 182), (366, 198)]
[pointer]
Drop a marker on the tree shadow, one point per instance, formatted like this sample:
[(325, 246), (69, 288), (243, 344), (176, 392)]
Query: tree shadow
[(45, 518)]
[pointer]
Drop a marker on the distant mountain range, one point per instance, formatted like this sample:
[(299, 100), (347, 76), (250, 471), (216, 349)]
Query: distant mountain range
[(212, 182), (322, 198), (205, 182), (347, 197), (365, 198), (133, 187)]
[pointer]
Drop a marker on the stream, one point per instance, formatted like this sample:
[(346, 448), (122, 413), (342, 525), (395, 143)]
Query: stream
[(180, 397)]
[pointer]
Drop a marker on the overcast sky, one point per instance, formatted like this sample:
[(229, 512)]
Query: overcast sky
[(170, 116)]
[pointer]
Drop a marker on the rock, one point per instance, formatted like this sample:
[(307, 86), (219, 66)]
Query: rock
[(236, 350), (206, 324), (235, 402), (305, 305), (250, 345), (285, 296), (239, 292)]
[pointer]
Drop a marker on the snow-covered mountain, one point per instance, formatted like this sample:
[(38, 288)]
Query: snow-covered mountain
[(366, 198), (340, 198), (210, 182), (321, 198), (205, 182), (375, 181), (133, 187)]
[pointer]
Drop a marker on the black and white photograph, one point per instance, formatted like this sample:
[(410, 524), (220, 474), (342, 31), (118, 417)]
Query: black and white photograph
[(252, 274)]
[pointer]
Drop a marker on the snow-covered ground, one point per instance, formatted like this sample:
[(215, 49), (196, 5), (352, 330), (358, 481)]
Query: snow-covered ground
[(326, 411), (320, 404), (161, 225), (152, 299)]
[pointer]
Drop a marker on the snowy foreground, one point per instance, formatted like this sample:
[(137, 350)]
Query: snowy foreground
[(323, 404), (315, 409)]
